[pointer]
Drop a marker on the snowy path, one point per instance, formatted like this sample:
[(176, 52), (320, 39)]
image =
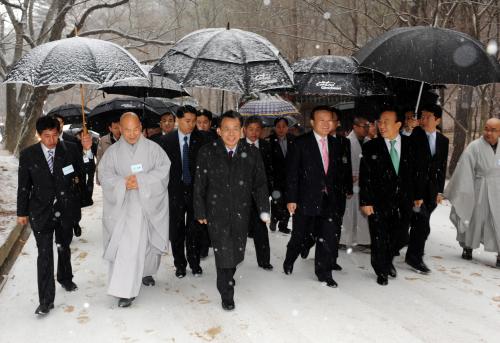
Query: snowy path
[(458, 302)]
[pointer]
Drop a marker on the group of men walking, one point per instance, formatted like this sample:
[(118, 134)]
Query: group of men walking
[(199, 188)]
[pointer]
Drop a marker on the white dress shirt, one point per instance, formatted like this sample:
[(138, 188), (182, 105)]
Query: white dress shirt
[(320, 146), (397, 146), (256, 143)]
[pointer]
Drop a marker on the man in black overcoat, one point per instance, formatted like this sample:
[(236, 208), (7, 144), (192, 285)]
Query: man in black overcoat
[(431, 151), (387, 180), (230, 175), (315, 194), (48, 197)]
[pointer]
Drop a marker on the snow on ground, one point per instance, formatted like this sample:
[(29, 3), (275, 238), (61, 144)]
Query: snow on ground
[(8, 189), (458, 302)]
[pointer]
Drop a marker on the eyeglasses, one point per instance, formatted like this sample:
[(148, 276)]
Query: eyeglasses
[(366, 126)]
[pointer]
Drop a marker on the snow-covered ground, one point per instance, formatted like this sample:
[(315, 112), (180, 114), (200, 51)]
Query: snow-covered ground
[(458, 302), (8, 188)]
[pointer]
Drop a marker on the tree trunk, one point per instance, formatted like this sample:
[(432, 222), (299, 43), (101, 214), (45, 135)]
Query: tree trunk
[(12, 120), (463, 110)]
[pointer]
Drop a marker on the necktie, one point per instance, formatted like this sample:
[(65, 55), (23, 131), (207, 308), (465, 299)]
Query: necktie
[(50, 160), (283, 146), (230, 154), (186, 175), (432, 144), (394, 156), (324, 154)]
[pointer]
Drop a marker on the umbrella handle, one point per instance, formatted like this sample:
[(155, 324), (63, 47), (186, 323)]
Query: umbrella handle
[(84, 123), (419, 97)]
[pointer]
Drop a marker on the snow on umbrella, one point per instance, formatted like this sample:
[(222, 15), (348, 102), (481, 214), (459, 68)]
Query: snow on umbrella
[(336, 75), (156, 86), (227, 59), (105, 112), (431, 55), (72, 113), (268, 108), (161, 105)]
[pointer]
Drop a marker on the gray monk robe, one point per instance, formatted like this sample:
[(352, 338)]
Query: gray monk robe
[(474, 192), (135, 221)]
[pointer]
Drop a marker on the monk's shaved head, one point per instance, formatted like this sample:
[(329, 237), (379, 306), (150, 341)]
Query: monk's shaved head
[(492, 130), (130, 127)]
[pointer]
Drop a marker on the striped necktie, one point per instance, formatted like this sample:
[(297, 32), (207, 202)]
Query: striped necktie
[(394, 156), (50, 160)]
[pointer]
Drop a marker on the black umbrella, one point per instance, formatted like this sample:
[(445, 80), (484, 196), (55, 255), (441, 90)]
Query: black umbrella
[(227, 59), (100, 117), (431, 55), (162, 105), (336, 75), (72, 113)]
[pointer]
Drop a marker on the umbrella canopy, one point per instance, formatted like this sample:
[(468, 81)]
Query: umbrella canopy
[(161, 105), (156, 86), (336, 75), (431, 55), (76, 60), (227, 59), (72, 113), (100, 117), (268, 110)]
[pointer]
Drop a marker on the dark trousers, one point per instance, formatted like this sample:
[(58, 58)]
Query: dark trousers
[(184, 231), (388, 233), (419, 231), (326, 231), (204, 240), (225, 283), (279, 212), (45, 261), (260, 237)]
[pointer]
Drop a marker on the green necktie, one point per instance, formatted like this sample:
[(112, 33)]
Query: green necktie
[(394, 156)]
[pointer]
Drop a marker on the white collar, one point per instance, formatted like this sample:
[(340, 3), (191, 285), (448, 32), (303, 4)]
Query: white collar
[(397, 139), (318, 137), (256, 143)]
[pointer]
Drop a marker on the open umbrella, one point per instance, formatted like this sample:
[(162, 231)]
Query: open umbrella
[(336, 75), (102, 114), (270, 108), (76, 60), (430, 55), (161, 105), (227, 59), (72, 113)]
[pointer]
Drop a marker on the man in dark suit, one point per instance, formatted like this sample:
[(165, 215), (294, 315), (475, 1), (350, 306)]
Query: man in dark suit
[(280, 141), (230, 175), (315, 195), (387, 177), (257, 228), (431, 151), (48, 196), (182, 147)]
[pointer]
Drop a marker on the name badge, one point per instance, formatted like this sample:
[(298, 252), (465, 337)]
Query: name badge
[(136, 168), (68, 169), (86, 159)]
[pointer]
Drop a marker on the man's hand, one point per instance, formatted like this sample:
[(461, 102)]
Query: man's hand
[(367, 210), (202, 221), (131, 182), (265, 217), (439, 198), (355, 179), (291, 206), (348, 196), (418, 203), (86, 141), (22, 220)]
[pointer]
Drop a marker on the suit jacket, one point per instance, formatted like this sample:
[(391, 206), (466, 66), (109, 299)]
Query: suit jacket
[(266, 153), (431, 169), (345, 145), (379, 184), (170, 143), (38, 188), (279, 161), (306, 178)]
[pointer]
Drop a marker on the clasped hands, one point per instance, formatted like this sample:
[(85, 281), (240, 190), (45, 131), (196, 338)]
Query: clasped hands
[(131, 182)]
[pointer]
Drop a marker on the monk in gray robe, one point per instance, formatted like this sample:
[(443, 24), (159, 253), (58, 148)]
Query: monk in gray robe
[(474, 192), (134, 175)]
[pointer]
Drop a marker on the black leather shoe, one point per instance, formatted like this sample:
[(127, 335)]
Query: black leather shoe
[(44, 308), (498, 262), (420, 266), (69, 286), (148, 281), (287, 268), (336, 266), (392, 271), (330, 282), (304, 253), (272, 226), (382, 280), (228, 305), (77, 230), (467, 254), (285, 230), (125, 302), (197, 271), (234, 282), (266, 266), (180, 272)]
